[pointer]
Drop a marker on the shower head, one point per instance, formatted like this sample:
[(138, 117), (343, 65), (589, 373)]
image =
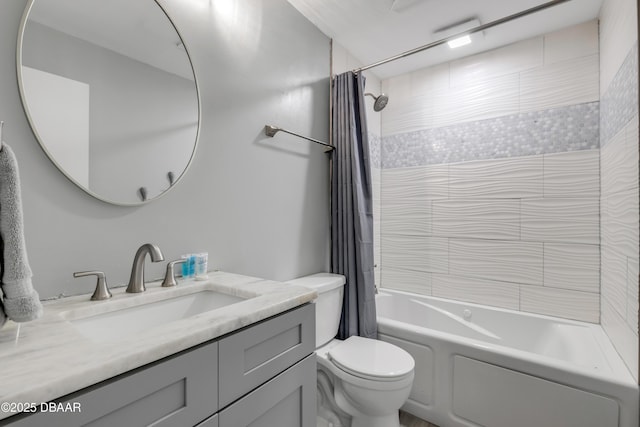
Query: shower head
[(380, 101)]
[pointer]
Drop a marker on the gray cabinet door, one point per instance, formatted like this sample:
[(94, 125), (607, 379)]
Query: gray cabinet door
[(256, 354), (179, 391), (288, 400)]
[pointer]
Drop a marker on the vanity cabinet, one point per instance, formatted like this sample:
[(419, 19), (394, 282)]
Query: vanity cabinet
[(287, 400), (264, 374)]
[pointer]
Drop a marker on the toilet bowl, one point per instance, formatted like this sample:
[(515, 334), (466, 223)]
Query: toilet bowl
[(369, 379)]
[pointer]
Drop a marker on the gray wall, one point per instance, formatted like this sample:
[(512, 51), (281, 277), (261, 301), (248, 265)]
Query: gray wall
[(258, 206)]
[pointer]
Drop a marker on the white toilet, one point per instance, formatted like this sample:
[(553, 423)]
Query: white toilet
[(368, 380)]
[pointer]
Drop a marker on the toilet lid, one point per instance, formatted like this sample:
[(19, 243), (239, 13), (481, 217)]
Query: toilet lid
[(369, 358)]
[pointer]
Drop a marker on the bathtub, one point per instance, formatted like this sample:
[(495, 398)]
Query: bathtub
[(491, 367)]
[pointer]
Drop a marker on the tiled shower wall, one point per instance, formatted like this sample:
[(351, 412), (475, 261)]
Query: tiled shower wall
[(619, 177), (490, 184)]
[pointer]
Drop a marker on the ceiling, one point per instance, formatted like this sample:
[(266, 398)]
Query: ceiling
[(372, 30)]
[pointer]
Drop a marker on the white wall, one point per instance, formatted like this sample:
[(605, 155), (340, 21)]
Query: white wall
[(259, 206), (619, 176), (490, 179)]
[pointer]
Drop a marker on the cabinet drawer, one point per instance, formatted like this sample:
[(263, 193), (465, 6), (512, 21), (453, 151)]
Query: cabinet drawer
[(180, 391), (255, 355), (288, 400)]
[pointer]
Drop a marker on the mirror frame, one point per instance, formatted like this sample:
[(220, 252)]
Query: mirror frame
[(21, 29)]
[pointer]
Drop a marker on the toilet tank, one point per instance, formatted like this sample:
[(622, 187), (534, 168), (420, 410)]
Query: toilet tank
[(330, 288)]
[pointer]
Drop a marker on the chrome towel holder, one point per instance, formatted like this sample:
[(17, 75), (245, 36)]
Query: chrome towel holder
[(271, 130)]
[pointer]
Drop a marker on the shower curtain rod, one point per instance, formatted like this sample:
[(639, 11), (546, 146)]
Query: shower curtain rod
[(464, 33)]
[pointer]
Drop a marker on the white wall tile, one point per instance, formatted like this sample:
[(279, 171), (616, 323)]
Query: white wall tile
[(372, 85), (406, 217), (519, 177), (619, 160), (623, 338), (561, 220), (427, 80), (399, 86), (412, 107), (406, 280), (574, 81), (406, 208), (618, 33), (477, 219), (478, 100), (411, 99), (478, 291), (423, 183), (619, 219), (616, 168), (517, 262), (573, 42), (376, 202), (614, 279), (415, 253), (572, 266), (404, 112), (406, 117), (633, 270), (583, 306), (572, 174), (510, 59), (620, 222), (633, 135)]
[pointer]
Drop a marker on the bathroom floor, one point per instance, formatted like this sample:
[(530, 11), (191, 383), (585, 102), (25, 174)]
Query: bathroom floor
[(408, 420)]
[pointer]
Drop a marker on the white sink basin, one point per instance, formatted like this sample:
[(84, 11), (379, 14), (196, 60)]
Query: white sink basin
[(119, 323)]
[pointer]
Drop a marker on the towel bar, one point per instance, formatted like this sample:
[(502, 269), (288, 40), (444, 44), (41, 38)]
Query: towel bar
[(270, 130)]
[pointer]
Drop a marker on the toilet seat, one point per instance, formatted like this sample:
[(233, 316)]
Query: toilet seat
[(371, 359)]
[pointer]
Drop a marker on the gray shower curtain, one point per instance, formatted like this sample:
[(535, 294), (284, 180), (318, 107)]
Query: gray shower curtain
[(351, 207)]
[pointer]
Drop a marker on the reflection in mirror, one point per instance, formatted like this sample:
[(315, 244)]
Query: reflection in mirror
[(110, 93)]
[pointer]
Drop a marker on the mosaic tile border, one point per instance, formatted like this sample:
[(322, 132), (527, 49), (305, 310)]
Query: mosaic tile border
[(556, 130), (374, 150), (619, 104)]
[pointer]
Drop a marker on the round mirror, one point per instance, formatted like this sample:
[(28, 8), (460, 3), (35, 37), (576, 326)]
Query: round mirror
[(110, 93)]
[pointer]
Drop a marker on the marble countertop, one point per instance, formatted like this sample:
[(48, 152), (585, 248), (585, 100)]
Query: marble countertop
[(51, 358)]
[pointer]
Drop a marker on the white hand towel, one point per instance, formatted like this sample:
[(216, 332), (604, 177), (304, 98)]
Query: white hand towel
[(21, 301)]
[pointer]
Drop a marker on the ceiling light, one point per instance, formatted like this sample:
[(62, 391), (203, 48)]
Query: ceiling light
[(458, 28), (459, 42)]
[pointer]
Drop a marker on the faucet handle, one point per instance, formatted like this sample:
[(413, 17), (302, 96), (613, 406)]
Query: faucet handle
[(102, 290), (169, 277)]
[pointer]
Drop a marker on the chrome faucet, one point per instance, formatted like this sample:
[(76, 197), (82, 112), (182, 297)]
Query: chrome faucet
[(136, 282)]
